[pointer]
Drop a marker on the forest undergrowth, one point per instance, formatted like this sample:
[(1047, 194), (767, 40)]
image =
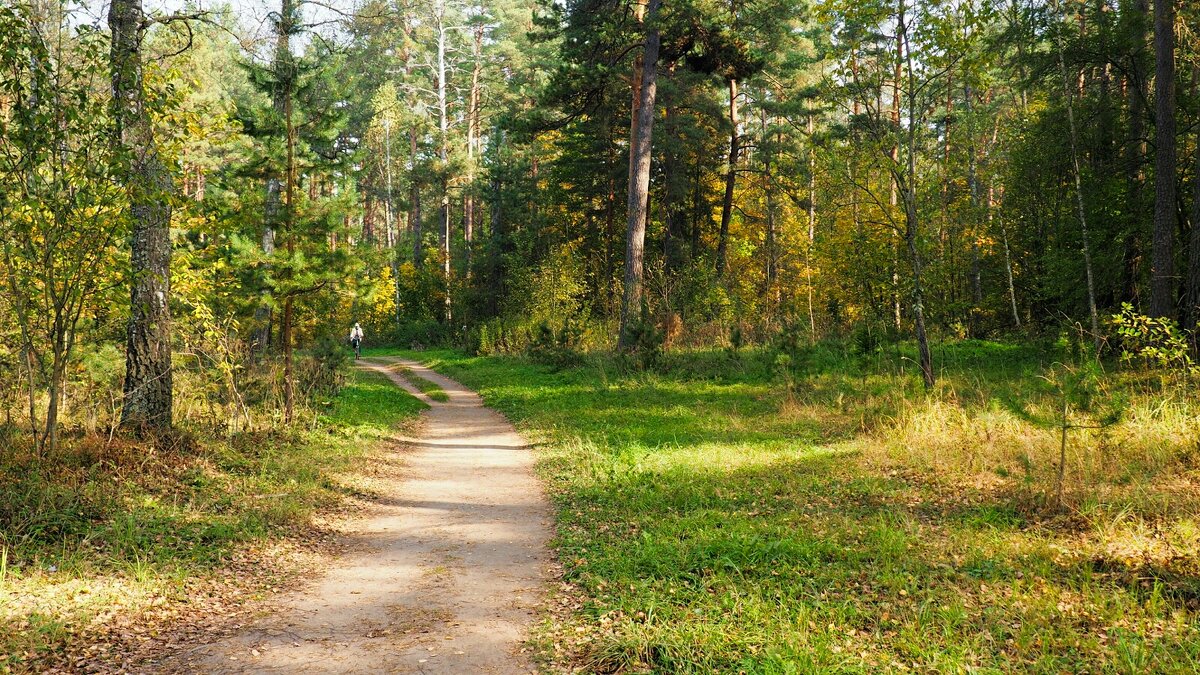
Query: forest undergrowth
[(116, 545), (732, 511)]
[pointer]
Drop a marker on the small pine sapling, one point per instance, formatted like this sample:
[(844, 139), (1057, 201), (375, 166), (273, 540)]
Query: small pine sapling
[(1081, 400)]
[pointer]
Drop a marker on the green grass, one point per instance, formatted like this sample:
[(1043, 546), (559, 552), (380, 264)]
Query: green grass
[(710, 523), (430, 389), (110, 527)]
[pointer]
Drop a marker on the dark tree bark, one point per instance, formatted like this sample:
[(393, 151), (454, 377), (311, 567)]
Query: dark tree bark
[(639, 179), (497, 229), (1135, 148), (1162, 271), (148, 378), (1193, 274), (730, 179)]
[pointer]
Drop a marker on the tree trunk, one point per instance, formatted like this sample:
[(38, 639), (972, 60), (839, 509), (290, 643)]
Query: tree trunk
[(289, 376), (443, 149), (812, 229), (1086, 246), (769, 196), (730, 179), (1162, 270), (910, 239), (473, 105), (639, 180), (1135, 148), (148, 337), (1008, 268), (635, 82), (911, 222), (1193, 285), (263, 314), (975, 190), (289, 230), (261, 339), (898, 72), (414, 216)]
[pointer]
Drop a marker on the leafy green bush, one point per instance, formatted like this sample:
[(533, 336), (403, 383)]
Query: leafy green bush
[(1157, 343), (423, 333), (495, 337)]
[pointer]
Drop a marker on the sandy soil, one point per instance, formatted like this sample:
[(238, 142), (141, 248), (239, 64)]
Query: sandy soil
[(447, 569)]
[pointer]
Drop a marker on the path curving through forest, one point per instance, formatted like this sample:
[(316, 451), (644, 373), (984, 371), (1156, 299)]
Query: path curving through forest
[(448, 567)]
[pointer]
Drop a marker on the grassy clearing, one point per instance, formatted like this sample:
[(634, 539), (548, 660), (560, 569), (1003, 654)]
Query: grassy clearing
[(711, 521), (112, 537)]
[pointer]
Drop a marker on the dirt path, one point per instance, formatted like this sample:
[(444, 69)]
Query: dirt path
[(448, 568)]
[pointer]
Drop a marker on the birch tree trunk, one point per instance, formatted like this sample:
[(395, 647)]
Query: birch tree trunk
[(908, 189)]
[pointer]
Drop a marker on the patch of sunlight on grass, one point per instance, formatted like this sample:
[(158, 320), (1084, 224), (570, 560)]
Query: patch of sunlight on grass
[(708, 522)]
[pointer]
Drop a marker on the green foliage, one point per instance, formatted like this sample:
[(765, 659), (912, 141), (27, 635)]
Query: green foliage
[(556, 347), (870, 338), (736, 340), (62, 202), (421, 334), (645, 341), (1155, 342), (705, 525), (493, 337), (323, 371), (1082, 399)]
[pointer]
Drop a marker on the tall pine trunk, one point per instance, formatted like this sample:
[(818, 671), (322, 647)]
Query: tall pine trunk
[(148, 377), (473, 112), (1162, 262), (639, 179)]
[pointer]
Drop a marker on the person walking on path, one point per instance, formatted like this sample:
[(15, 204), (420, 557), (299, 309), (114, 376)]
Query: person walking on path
[(356, 338)]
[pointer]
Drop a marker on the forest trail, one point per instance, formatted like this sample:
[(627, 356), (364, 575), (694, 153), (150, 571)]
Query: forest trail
[(446, 570)]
